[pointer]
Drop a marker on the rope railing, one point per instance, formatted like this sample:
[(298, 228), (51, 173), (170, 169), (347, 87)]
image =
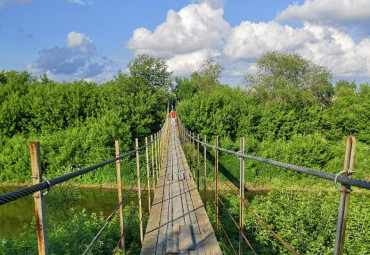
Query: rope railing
[(189, 141)]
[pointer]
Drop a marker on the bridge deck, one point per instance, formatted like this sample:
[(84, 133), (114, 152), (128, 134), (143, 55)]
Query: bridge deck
[(178, 222)]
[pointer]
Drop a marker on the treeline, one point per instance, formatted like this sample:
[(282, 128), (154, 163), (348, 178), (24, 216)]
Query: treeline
[(76, 123), (288, 111)]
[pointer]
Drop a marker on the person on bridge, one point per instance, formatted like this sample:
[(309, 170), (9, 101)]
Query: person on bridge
[(173, 116)]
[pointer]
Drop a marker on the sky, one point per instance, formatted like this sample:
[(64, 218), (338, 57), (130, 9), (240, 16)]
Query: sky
[(94, 39)]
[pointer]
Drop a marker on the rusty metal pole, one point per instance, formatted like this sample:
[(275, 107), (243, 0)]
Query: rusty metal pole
[(152, 154), (216, 183), (147, 171), (119, 190), (241, 204), (198, 163), (139, 190), (349, 160), (38, 199), (205, 174)]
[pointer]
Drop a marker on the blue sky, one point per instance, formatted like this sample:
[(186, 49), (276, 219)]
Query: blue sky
[(75, 39)]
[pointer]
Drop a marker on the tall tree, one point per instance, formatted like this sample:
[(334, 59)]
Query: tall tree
[(277, 73)]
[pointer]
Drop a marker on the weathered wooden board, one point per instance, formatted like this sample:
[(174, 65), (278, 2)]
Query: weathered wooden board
[(178, 222)]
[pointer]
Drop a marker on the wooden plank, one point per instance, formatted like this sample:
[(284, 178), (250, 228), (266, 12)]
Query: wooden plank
[(185, 235)]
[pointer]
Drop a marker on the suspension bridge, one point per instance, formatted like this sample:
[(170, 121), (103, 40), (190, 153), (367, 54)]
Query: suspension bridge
[(178, 221)]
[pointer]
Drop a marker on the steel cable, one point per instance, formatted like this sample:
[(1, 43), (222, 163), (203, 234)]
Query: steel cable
[(14, 195), (324, 175)]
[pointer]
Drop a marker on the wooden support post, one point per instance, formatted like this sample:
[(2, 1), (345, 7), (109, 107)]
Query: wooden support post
[(156, 156), (349, 160), (159, 151), (193, 156), (147, 171), (119, 190), (241, 204), (139, 190), (152, 154), (38, 199), (198, 165), (216, 184), (205, 174)]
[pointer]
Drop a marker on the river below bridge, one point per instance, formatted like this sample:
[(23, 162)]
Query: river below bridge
[(14, 215)]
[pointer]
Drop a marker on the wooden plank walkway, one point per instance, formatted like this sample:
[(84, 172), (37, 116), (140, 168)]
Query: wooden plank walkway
[(178, 222)]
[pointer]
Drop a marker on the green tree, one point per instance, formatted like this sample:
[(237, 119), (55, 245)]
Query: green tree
[(278, 74), (152, 72)]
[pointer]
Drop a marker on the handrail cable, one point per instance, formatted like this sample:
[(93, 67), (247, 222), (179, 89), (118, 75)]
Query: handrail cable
[(253, 212), (324, 175), (230, 215), (14, 195), (110, 217)]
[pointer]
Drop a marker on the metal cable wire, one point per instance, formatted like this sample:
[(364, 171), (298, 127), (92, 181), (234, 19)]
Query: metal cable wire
[(261, 221), (125, 227), (250, 209), (324, 175), (109, 219), (14, 195)]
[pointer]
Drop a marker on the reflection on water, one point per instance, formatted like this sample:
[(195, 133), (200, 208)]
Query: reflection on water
[(14, 215)]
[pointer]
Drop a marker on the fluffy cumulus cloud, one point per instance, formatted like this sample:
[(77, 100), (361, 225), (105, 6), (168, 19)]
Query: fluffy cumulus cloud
[(328, 11), (75, 59), (199, 31), (194, 31)]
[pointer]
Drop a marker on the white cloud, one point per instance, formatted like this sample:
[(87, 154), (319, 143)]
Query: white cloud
[(328, 11), (324, 45), (184, 64), (75, 60), (198, 31), (251, 40), (194, 27)]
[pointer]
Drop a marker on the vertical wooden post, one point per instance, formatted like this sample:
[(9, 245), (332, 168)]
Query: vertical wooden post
[(205, 174), (152, 154), (147, 171), (241, 205), (216, 183), (156, 156), (119, 190), (159, 151), (193, 155), (139, 190), (349, 160), (198, 163), (38, 199)]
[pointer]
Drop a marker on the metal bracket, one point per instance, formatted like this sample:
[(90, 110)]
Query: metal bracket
[(336, 178), (239, 157)]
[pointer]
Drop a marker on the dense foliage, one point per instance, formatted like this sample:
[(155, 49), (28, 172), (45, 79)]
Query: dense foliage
[(76, 123), (288, 111)]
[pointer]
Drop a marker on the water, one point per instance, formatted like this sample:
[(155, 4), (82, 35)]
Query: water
[(14, 215)]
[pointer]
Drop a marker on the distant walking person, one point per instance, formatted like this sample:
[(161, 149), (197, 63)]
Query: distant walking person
[(173, 116)]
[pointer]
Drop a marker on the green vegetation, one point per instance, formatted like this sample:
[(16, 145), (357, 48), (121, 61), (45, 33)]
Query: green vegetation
[(77, 123), (288, 111)]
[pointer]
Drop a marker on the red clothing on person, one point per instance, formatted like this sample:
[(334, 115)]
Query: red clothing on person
[(172, 115)]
